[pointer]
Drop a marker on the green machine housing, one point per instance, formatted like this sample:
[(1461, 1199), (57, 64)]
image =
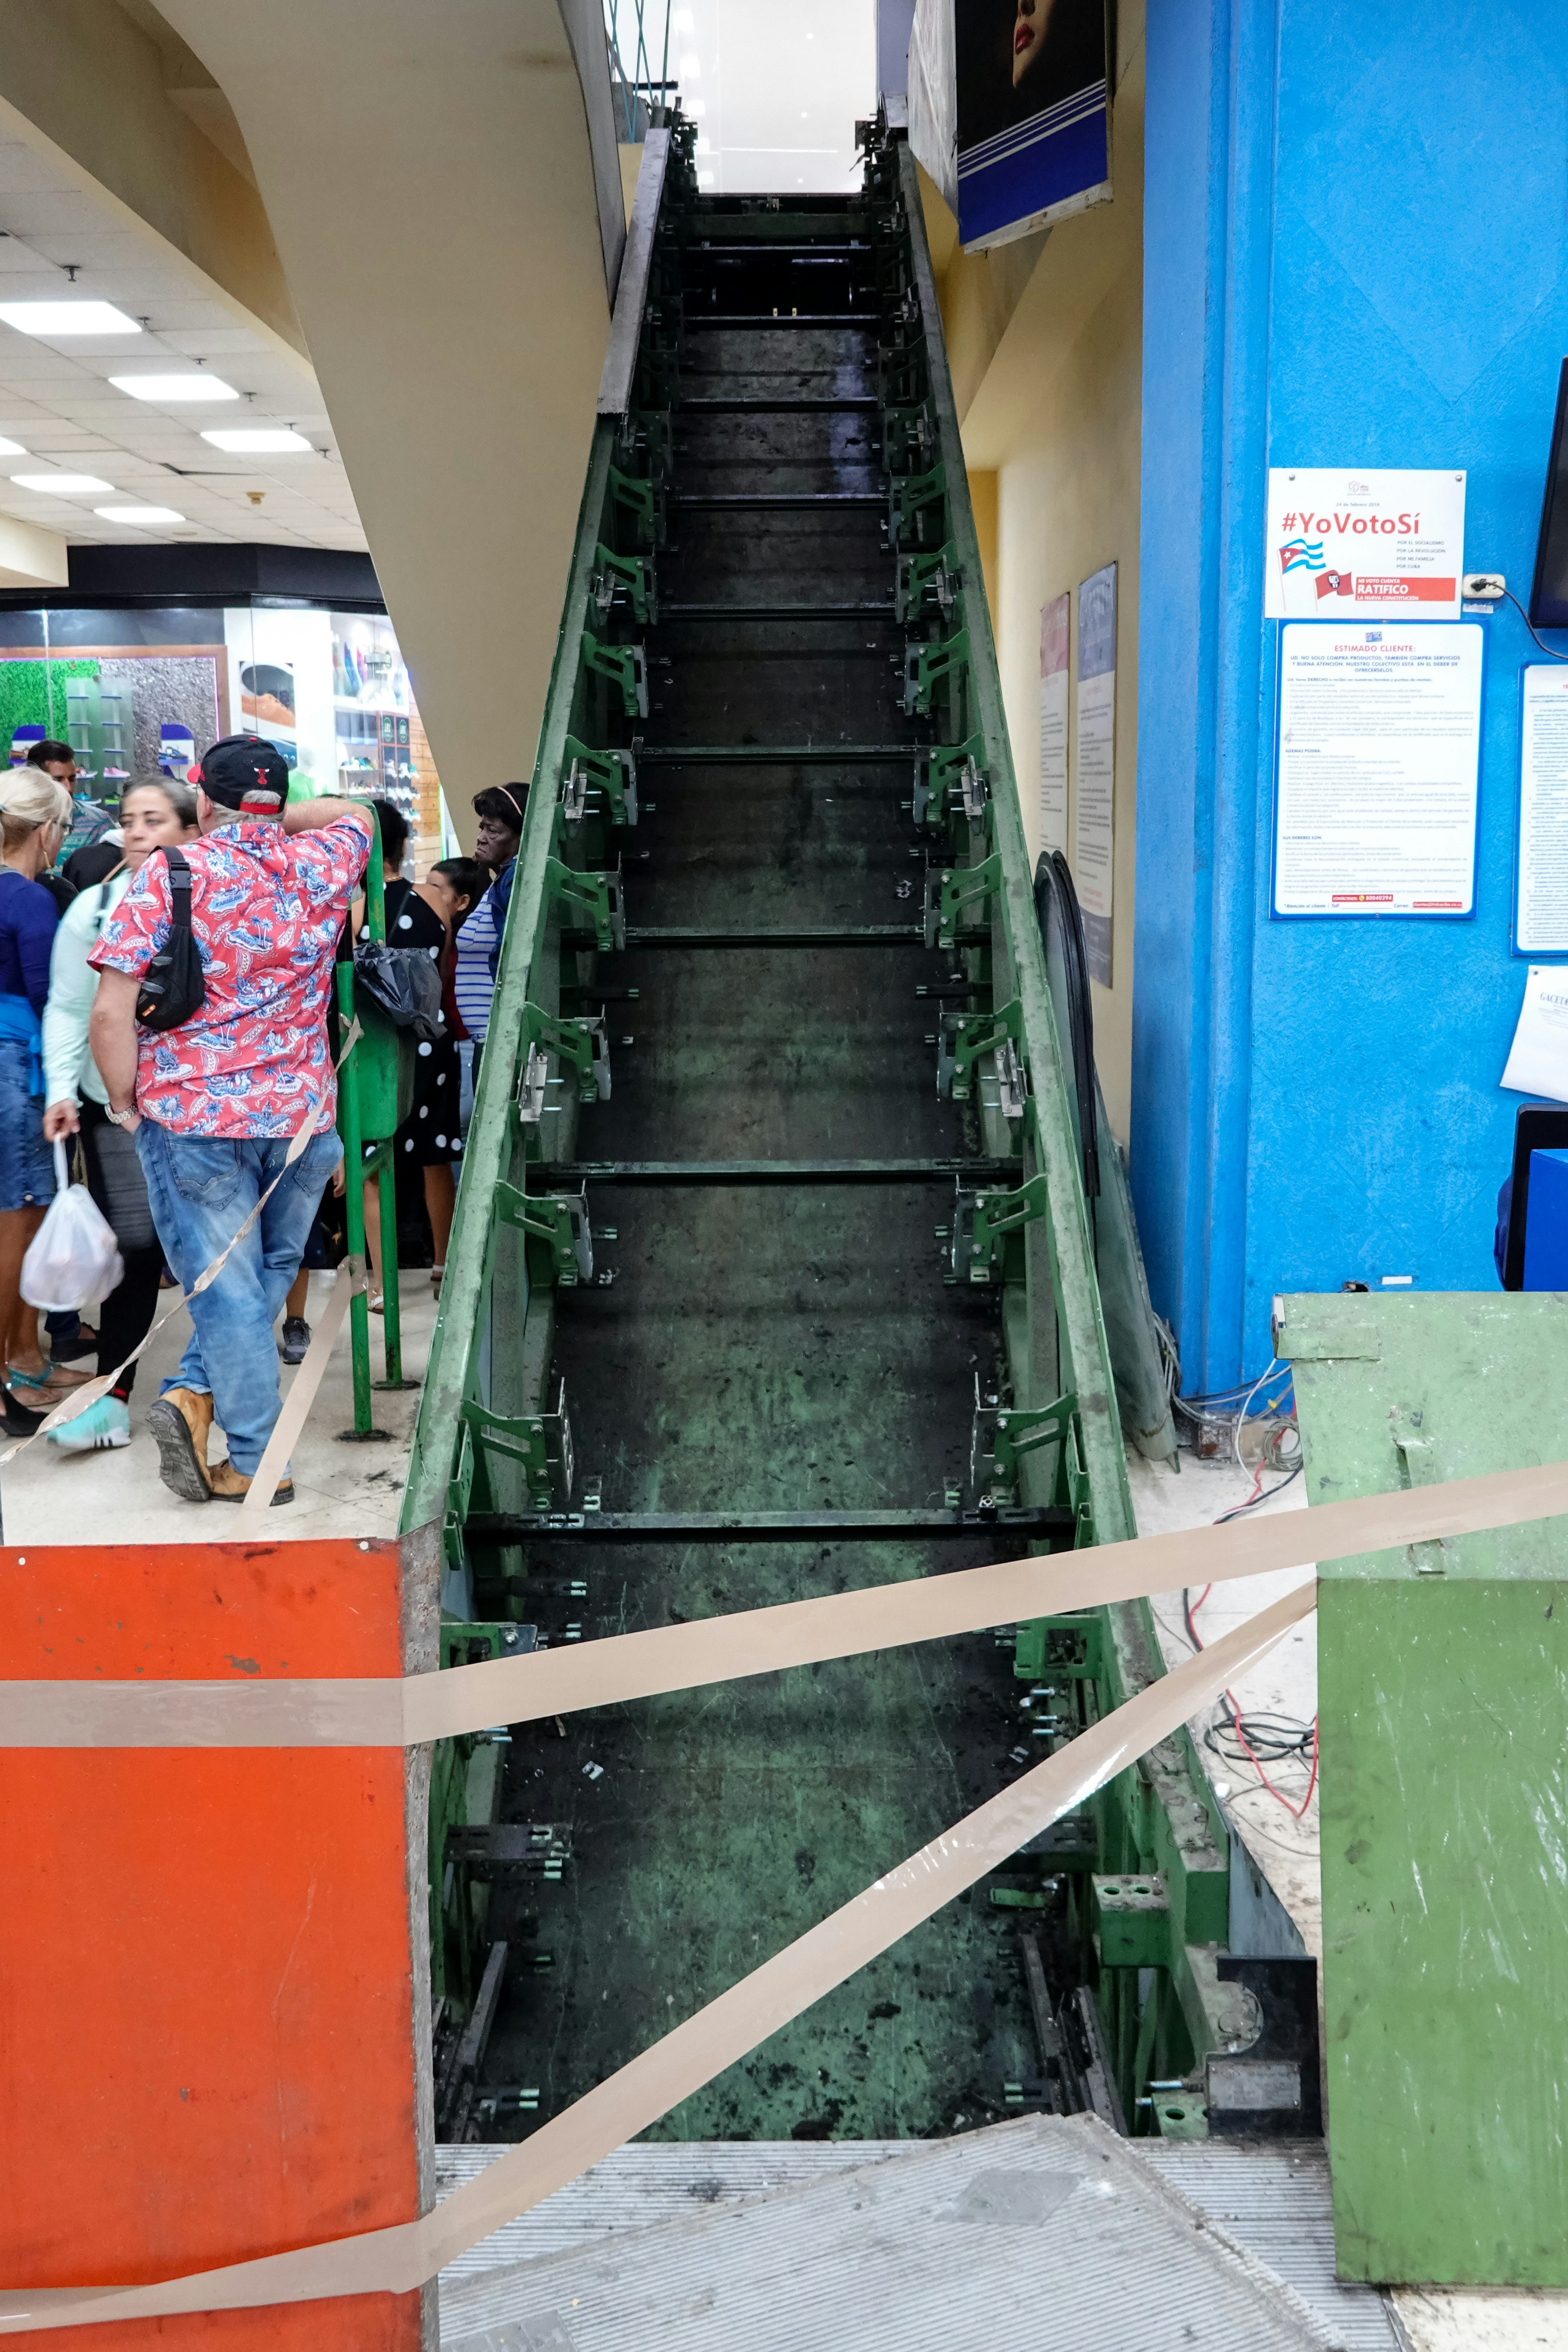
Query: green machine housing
[(1443, 1698)]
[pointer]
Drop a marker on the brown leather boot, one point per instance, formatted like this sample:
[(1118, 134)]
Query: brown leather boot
[(232, 1486), (182, 1421)]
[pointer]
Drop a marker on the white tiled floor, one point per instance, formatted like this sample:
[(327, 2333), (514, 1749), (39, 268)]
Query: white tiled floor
[(1286, 1683), (48, 1496)]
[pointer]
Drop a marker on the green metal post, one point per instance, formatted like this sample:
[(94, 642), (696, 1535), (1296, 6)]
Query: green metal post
[(354, 1203), (386, 1178)]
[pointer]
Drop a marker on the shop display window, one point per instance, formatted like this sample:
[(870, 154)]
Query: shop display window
[(135, 691)]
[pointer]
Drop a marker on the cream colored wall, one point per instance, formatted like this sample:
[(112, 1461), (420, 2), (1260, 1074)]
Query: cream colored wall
[(1052, 367), (114, 94), (432, 192)]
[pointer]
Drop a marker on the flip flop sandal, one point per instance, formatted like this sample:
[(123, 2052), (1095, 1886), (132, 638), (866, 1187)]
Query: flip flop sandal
[(58, 1378)]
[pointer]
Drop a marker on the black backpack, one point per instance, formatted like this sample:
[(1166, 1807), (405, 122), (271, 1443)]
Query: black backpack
[(172, 987)]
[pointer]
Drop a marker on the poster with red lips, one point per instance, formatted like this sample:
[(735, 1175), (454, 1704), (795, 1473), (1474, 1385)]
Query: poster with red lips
[(1034, 121)]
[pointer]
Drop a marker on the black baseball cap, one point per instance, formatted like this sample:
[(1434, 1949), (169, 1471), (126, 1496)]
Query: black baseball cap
[(244, 772)]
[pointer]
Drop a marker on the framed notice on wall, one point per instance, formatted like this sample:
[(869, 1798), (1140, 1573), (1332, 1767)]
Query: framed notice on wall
[(1094, 843), (1055, 622), (1540, 873), (1378, 769)]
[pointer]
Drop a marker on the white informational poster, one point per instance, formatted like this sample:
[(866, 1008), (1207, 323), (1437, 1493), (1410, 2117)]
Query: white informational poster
[(1054, 621), (1540, 900), (1538, 1058), (1366, 543), (1095, 843), (1380, 735)]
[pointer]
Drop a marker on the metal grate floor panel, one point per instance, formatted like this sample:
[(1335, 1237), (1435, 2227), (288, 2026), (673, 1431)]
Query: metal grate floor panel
[(946, 2247)]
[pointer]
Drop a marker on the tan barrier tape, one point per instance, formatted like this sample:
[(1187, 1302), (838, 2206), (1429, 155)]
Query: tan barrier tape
[(91, 1391), (398, 2260), (354, 1275), (381, 1713)]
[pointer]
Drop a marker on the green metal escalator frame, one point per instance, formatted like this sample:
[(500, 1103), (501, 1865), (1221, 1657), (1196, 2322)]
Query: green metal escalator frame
[(485, 1442)]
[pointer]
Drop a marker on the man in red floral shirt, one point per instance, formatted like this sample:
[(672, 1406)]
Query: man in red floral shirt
[(216, 1103)]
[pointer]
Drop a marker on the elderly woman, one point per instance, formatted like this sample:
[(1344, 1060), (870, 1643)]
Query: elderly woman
[(34, 814), (154, 813)]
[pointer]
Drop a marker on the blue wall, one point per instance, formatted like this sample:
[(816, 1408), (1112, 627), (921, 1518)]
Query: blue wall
[(1356, 230)]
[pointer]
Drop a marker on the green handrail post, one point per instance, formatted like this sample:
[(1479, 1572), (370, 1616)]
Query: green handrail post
[(354, 1203), (384, 1165)]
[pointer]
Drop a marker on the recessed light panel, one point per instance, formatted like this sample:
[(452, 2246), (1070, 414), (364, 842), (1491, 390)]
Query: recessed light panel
[(258, 440), (139, 514), (55, 319), (62, 485), (10, 449), (196, 385)]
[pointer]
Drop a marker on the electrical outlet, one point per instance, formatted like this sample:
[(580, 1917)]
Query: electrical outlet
[(1483, 587)]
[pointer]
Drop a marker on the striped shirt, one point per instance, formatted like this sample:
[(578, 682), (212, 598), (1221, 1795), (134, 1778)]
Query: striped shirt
[(473, 984)]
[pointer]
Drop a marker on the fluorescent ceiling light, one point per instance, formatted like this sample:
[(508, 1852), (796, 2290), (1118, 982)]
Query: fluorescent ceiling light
[(196, 385), (62, 485), (10, 449), (258, 440), (139, 514), (53, 318)]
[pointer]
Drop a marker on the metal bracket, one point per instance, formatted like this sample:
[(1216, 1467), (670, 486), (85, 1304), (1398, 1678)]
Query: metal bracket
[(947, 765), (614, 773), (581, 1042), (963, 889), (560, 1221), (640, 499), (966, 1036), (937, 572), (459, 1487), (542, 1442), (624, 666), (1020, 1429), (927, 667), (909, 436), (595, 896), (907, 499), (977, 1239), (632, 575)]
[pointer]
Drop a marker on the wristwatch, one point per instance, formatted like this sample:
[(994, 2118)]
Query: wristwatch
[(119, 1117)]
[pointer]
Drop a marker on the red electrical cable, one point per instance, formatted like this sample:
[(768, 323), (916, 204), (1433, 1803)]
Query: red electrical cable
[(1295, 1811)]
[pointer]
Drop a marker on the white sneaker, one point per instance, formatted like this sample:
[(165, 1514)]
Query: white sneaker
[(105, 1424)]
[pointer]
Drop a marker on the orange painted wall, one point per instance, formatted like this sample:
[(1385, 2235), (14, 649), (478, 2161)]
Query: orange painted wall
[(206, 2027)]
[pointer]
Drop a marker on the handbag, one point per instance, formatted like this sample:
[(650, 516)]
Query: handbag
[(172, 986)]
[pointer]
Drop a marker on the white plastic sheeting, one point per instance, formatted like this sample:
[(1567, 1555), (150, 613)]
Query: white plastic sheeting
[(933, 96)]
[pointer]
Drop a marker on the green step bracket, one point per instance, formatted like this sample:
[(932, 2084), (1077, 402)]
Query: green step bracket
[(580, 1043), (626, 668), (927, 581), (629, 578), (591, 781)]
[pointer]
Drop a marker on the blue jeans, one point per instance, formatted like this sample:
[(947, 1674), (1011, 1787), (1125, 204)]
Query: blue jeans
[(202, 1188)]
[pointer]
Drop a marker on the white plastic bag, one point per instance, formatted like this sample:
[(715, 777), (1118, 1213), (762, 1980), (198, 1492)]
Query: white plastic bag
[(72, 1260)]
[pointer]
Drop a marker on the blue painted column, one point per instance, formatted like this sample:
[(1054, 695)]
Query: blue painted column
[(1354, 254)]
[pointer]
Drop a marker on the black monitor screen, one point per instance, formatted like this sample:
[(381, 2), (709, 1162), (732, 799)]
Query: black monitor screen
[(1549, 595), (1537, 1127)]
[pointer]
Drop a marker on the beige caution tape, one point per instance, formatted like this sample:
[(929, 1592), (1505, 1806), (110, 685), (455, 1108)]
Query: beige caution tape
[(381, 1713), (354, 1275), (91, 1391), (396, 2261)]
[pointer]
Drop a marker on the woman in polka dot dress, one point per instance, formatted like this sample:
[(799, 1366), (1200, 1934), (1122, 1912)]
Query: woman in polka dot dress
[(423, 916)]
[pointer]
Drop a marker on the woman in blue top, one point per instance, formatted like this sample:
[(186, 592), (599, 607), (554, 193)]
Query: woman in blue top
[(34, 814)]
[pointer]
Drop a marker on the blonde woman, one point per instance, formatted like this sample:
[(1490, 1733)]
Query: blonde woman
[(34, 814), (154, 813)]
